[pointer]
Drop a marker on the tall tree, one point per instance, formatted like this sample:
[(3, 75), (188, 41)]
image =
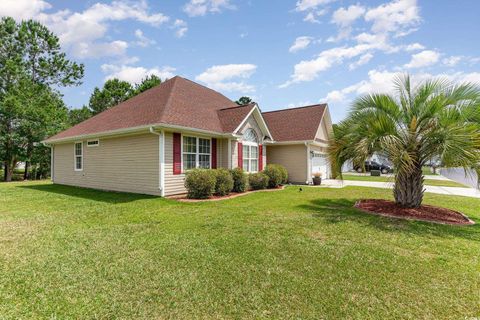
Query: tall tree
[(75, 116), (113, 92), (28, 52), (147, 83), (434, 119), (244, 100)]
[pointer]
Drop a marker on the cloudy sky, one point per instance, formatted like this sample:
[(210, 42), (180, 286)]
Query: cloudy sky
[(282, 53)]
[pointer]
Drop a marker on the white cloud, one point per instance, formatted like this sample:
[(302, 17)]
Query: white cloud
[(83, 33), (134, 74), (364, 59), (452, 61), (23, 9), (414, 47), (312, 9), (397, 16), (300, 43), (308, 70), (142, 40), (196, 8), (304, 5), (181, 28), (423, 59), (345, 17), (223, 77)]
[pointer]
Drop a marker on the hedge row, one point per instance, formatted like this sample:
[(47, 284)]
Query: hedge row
[(204, 183)]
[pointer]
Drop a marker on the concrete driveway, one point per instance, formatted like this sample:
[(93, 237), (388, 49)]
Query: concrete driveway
[(466, 192)]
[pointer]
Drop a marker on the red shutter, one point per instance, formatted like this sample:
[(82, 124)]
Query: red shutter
[(214, 153), (177, 153), (240, 155), (260, 157)]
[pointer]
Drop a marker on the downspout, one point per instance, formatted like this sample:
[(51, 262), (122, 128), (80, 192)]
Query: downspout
[(161, 160)]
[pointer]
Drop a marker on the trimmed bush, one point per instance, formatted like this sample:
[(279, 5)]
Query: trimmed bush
[(240, 180), (284, 172), (200, 183), (224, 183), (258, 180), (275, 176)]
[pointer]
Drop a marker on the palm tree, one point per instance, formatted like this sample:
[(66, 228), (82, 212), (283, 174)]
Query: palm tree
[(434, 119)]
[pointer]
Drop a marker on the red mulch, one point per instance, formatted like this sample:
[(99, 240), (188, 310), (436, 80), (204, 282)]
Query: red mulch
[(424, 213)]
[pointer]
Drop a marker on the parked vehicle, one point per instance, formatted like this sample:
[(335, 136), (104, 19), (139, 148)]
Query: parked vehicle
[(372, 165)]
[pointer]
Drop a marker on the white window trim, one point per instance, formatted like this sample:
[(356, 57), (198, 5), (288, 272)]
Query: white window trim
[(197, 153), (94, 145), (250, 144), (75, 155)]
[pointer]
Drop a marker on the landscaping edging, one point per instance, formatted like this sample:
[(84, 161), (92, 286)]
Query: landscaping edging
[(183, 198), (409, 216)]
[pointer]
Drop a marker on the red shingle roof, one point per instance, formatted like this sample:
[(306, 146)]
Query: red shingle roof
[(230, 118), (295, 124), (177, 101)]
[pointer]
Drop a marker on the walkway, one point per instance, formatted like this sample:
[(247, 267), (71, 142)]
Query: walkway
[(466, 192)]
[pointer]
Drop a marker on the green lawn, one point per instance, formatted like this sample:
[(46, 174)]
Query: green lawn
[(427, 171), (430, 182), (70, 253)]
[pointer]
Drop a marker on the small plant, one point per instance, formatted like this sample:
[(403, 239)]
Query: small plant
[(224, 182), (317, 174), (258, 180), (200, 183), (284, 172), (275, 175), (240, 180)]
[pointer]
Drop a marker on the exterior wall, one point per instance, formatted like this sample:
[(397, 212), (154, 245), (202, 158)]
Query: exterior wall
[(250, 123), (293, 157), (127, 164)]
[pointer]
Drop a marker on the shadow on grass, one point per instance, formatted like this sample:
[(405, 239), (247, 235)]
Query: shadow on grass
[(341, 210), (89, 194)]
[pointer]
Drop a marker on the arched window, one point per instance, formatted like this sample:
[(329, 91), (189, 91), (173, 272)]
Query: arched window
[(250, 151), (250, 135)]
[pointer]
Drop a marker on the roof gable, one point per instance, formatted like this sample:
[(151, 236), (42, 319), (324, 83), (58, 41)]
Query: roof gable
[(295, 124)]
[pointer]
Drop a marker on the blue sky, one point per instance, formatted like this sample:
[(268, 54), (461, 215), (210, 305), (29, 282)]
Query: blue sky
[(281, 53)]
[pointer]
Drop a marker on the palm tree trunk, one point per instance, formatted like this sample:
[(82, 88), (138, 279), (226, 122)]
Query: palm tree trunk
[(408, 189)]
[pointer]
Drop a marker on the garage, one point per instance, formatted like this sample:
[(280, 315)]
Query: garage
[(319, 163)]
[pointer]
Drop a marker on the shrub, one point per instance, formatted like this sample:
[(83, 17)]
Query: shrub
[(200, 183), (240, 180), (258, 180), (224, 182), (275, 176), (284, 173)]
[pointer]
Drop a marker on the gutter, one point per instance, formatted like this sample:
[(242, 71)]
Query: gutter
[(161, 159)]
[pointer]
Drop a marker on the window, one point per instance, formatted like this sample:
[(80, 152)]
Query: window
[(250, 151), (78, 156), (93, 143), (196, 153)]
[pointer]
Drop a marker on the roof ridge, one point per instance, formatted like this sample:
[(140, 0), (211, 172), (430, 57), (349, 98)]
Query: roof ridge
[(170, 95), (240, 106), (201, 85), (296, 108)]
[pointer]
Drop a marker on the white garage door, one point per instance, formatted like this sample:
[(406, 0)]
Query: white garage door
[(320, 164)]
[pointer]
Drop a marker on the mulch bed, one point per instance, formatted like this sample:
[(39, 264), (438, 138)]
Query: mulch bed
[(423, 213), (183, 198)]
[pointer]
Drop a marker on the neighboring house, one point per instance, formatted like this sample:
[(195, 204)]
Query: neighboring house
[(147, 143)]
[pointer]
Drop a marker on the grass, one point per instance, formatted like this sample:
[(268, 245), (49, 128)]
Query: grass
[(76, 253), (427, 171), (429, 182)]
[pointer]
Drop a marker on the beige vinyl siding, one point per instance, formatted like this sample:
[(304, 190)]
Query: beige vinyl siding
[(293, 157), (222, 153), (128, 164), (234, 154)]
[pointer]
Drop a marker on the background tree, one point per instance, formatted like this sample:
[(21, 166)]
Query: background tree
[(75, 116), (244, 100), (29, 55), (434, 119), (113, 92), (147, 83)]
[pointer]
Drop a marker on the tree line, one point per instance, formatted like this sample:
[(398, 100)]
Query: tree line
[(33, 69)]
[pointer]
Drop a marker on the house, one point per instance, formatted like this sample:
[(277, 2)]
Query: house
[(147, 143)]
